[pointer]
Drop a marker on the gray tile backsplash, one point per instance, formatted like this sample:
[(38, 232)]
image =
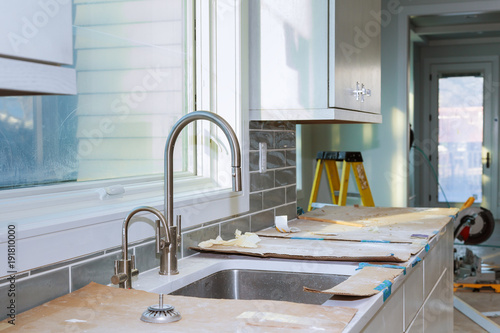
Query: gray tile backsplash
[(256, 203), (261, 181), (193, 237), (254, 161), (291, 194), (284, 140), (276, 159), (98, 270), (262, 220), (31, 292), (274, 197), (271, 193), (290, 157), (228, 228), (259, 136), (285, 177), (274, 125), (146, 256), (289, 210)]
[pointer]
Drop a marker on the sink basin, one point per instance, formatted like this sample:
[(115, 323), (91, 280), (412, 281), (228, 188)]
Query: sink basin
[(262, 284)]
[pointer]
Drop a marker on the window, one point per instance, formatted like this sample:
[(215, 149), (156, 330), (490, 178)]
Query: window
[(131, 72), (139, 68)]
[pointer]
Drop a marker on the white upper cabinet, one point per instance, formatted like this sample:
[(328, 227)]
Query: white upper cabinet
[(36, 40), (315, 60), (355, 60)]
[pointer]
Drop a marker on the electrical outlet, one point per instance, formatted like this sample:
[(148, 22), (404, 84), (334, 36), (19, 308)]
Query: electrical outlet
[(262, 157)]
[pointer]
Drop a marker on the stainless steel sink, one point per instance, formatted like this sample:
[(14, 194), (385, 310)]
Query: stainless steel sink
[(259, 284)]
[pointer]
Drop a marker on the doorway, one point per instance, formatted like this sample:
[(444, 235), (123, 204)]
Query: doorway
[(457, 122)]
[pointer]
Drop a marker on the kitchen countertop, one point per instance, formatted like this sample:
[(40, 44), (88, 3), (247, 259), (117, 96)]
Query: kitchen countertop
[(200, 265), (98, 308), (195, 267)]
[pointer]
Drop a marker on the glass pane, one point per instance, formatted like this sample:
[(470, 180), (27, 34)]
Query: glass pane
[(129, 58), (460, 137)]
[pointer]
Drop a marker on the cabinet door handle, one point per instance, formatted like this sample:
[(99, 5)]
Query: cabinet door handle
[(367, 92), (361, 92), (358, 92)]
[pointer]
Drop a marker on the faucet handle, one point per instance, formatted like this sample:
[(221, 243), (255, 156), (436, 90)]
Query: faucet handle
[(178, 234), (134, 271), (119, 277), (158, 237), (117, 266), (160, 243)]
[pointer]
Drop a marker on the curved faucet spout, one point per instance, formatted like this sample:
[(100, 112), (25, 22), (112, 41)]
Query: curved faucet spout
[(125, 268), (126, 222), (169, 151)]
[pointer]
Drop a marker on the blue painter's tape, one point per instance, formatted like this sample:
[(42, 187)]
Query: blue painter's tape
[(435, 232), (385, 287), (387, 293), (309, 238), (374, 241), (416, 261), (362, 265), (427, 247)]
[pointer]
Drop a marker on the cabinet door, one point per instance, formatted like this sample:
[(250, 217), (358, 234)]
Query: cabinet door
[(37, 37), (417, 326), (438, 309), (288, 54), (354, 51), (389, 319), (37, 30), (414, 293)]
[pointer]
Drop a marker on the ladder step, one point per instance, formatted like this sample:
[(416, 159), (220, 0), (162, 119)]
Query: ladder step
[(348, 156)]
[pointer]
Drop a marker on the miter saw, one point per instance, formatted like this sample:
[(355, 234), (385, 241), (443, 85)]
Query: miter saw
[(474, 225)]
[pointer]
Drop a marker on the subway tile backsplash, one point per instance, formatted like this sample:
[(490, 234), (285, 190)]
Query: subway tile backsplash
[(228, 228), (41, 288), (271, 193)]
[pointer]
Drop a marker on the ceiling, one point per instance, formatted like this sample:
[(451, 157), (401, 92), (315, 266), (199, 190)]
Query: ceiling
[(457, 26)]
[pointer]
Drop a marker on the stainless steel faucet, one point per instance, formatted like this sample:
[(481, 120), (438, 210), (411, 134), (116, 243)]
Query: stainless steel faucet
[(169, 171), (125, 268)]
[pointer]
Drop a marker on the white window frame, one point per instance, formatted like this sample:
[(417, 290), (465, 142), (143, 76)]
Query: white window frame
[(60, 222)]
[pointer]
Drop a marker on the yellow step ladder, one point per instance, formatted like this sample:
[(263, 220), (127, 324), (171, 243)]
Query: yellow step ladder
[(348, 158)]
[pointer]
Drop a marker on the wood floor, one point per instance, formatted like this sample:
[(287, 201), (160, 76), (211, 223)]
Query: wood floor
[(483, 301)]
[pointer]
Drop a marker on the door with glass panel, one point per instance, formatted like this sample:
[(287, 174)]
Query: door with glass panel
[(461, 126)]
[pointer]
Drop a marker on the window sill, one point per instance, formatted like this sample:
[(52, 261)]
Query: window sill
[(48, 211), (78, 222)]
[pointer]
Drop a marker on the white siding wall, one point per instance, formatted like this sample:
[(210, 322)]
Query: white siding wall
[(130, 80)]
